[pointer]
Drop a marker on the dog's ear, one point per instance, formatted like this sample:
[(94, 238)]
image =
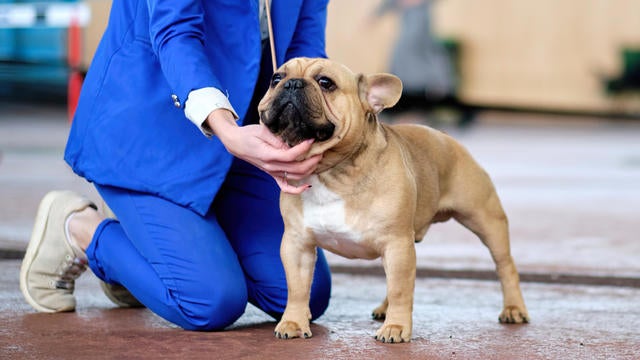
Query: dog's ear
[(379, 91)]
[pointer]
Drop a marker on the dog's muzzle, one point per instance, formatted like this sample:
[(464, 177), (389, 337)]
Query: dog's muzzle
[(296, 115)]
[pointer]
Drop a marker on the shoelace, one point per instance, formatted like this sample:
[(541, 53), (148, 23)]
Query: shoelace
[(70, 269)]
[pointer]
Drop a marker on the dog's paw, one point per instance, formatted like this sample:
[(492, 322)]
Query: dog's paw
[(379, 313), (513, 315), (290, 329), (393, 334)]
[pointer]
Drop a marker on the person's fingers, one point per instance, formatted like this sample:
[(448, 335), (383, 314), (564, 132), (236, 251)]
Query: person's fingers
[(286, 154), (304, 168), (295, 170), (298, 151), (271, 154), (286, 187), (267, 136)]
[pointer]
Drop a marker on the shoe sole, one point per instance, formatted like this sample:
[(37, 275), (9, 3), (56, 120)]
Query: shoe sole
[(116, 300), (37, 236)]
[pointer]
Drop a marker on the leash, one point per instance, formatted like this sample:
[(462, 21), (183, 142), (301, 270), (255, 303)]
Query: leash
[(267, 5)]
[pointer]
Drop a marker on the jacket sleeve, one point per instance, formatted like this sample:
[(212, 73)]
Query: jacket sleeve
[(177, 36), (309, 36)]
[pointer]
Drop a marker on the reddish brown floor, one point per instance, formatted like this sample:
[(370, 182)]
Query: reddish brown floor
[(453, 319)]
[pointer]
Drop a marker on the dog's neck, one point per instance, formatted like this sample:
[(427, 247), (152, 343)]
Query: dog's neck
[(345, 159)]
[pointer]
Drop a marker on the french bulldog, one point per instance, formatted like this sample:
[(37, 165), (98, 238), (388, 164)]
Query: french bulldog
[(376, 190)]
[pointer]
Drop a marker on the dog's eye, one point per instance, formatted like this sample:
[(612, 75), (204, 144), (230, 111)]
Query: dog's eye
[(275, 79), (326, 83)]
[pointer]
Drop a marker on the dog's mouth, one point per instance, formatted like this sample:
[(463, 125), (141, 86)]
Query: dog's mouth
[(295, 123)]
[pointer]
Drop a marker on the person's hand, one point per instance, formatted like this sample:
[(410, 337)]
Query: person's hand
[(255, 144)]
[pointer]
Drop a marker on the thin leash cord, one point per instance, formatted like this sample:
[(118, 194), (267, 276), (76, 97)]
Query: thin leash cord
[(267, 5)]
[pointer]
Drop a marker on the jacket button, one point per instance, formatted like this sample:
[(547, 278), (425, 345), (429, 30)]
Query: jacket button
[(176, 101)]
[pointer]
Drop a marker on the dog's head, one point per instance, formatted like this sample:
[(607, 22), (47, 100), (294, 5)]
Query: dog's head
[(323, 100)]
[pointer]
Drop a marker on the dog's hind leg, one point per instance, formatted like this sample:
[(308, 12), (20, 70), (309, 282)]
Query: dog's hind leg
[(490, 223), (380, 312)]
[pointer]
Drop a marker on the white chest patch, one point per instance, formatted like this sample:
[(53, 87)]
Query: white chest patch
[(324, 215)]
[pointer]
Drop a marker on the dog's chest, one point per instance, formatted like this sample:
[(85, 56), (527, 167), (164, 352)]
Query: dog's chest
[(325, 215)]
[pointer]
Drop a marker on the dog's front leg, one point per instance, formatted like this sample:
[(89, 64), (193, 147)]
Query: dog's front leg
[(399, 261), (298, 258)]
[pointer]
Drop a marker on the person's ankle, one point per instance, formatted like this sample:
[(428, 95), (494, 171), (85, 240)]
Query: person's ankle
[(80, 227)]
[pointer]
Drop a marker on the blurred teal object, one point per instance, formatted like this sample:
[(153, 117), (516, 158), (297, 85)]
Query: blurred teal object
[(33, 60), (629, 78)]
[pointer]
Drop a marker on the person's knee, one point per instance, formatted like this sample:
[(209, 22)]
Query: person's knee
[(213, 313), (321, 288), (273, 300), (320, 294)]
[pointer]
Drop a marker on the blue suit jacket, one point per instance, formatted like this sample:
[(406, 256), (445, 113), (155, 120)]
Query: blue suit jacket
[(128, 133)]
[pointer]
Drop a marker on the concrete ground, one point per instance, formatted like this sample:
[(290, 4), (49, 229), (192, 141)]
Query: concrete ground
[(571, 188)]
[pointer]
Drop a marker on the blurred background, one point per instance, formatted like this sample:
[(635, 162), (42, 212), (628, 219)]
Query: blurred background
[(569, 56), (548, 93), (576, 56)]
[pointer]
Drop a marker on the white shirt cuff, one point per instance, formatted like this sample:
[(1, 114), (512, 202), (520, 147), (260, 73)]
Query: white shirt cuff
[(201, 102)]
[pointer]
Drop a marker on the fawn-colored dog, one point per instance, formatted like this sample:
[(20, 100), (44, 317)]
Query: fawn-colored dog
[(376, 191)]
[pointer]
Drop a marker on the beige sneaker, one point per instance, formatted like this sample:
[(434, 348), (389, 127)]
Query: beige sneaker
[(117, 293), (51, 264)]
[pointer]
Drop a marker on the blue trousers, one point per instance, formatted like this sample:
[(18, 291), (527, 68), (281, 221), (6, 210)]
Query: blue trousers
[(200, 272)]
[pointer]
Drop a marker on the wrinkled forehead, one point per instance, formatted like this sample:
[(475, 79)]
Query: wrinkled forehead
[(306, 67)]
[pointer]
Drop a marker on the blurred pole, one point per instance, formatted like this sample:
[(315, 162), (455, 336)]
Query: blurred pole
[(74, 57)]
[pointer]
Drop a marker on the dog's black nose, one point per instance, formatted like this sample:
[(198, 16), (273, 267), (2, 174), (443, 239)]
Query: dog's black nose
[(294, 84)]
